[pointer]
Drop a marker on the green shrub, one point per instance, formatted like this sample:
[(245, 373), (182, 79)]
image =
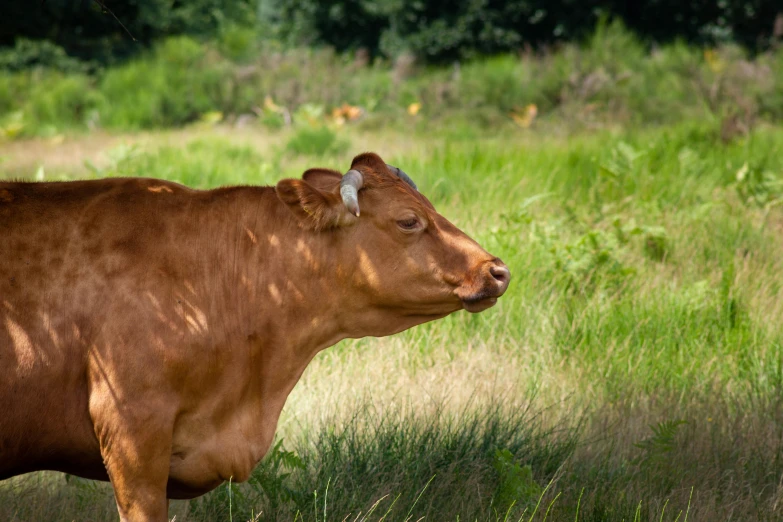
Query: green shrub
[(175, 85), (238, 43), (14, 90), (316, 141), (26, 54), (45, 101), (62, 100), (504, 82), (771, 101)]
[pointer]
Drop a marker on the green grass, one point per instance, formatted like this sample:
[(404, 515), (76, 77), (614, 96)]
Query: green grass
[(634, 369), (646, 277)]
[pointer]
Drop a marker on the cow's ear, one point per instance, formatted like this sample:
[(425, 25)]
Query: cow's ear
[(316, 209), (323, 179)]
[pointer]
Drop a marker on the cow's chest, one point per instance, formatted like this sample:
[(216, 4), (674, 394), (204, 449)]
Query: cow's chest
[(206, 451)]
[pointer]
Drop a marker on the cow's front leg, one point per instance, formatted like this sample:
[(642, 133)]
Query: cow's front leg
[(139, 472), (135, 442)]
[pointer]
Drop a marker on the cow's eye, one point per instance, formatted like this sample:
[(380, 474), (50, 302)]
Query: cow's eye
[(408, 224)]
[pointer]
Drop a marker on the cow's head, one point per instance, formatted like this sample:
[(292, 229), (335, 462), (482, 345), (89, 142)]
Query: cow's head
[(395, 252)]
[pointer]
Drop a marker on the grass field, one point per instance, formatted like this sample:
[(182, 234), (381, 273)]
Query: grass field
[(633, 371)]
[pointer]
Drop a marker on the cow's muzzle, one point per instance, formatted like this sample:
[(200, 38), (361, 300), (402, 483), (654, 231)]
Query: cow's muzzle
[(496, 277)]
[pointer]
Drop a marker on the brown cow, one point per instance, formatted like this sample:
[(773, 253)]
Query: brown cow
[(150, 333)]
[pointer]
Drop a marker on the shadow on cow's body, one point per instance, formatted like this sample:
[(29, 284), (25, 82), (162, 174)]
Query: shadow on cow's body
[(150, 333)]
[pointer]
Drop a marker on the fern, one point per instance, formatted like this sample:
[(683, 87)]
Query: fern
[(661, 442)]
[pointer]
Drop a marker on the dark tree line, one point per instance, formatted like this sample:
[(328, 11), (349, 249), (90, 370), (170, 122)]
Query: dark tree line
[(448, 29), (434, 30), (88, 32)]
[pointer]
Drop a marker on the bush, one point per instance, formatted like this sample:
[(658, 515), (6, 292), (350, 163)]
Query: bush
[(238, 43), (316, 141), (14, 90), (62, 100), (175, 85), (43, 101), (38, 53), (771, 102)]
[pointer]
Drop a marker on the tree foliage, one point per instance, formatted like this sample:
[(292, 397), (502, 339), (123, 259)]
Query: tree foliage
[(442, 30), (88, 32), (432, 30)]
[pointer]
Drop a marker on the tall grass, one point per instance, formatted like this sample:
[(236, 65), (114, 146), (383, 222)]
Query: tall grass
[(633, 371), (499, 462)]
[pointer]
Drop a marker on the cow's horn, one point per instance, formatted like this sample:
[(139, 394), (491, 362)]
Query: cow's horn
[(349, 190), (402, 176)]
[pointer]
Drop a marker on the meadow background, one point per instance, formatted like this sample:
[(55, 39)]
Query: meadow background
[(630, 174)]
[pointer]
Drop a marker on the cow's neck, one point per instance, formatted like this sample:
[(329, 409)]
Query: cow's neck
[(298, 285), (277, 293), (274, 278)]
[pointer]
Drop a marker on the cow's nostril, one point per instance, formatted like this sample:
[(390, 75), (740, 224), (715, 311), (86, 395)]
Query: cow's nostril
[(501, 273)]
